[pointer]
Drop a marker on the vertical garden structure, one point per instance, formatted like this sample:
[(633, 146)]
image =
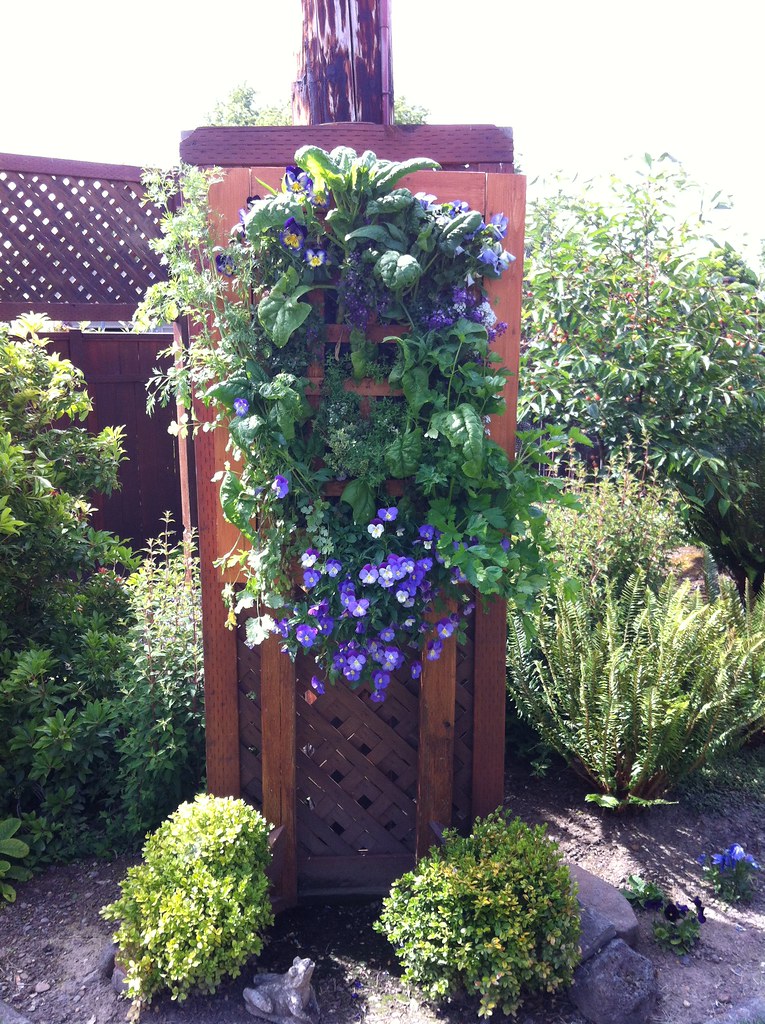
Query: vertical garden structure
[(357, 787)]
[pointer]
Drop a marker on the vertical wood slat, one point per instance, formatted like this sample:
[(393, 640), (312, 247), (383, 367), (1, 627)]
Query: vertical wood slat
[(435, 769), (216, 537), (279, 759), (506, 194)]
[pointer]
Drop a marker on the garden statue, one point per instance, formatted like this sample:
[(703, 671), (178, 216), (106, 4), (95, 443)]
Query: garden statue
[(284, 998)]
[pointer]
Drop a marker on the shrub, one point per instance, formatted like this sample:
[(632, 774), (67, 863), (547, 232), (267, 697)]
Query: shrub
[(625, 520), (17, 849), (730, 872), (640, 693), (194, 910), (493, 913), (639, 327), (160, 706)]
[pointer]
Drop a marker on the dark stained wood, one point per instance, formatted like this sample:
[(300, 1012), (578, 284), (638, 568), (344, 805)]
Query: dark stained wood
[(435, 771), (71, 168), (277, 695), (454, 146), (69, 312), (362, 874), (344, 70)]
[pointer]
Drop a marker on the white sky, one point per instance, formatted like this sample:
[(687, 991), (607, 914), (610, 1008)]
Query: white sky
[(583, 84)]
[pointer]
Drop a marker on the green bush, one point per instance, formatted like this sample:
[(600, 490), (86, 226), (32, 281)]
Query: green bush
[(194, 910), (624, 521), (492, 913), (11, 847), (638, 327), (642, 691)]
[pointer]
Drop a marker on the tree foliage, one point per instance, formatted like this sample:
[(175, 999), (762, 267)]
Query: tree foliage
[(240, 107), (639, 326)]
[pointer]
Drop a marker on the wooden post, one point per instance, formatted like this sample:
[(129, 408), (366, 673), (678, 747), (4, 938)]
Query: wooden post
[(435, 770), (344, 71)]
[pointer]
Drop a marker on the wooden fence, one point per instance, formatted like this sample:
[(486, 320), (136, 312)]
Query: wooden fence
[(116, 369)]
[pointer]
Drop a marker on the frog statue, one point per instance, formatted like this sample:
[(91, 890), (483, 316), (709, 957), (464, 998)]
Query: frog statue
[(284, 998)]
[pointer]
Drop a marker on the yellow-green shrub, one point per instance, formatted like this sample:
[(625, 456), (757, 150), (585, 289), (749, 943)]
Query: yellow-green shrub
[(493, 913), (194, 910)]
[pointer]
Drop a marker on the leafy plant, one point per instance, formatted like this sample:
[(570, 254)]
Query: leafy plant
[(637, 329), (730, 872), (16, 849), (639, 693), (624, 521), (342, 248), (493, 913), (194, 910), (678, 929), (646, 895)]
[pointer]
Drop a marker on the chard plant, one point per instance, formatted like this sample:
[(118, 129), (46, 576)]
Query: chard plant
[(336, 560)]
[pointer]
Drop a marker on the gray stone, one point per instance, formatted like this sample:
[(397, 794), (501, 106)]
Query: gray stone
[(106, 960), (9, 1016), (752, 1012), (119, 980), (597, 931), (284, 998), (616, 986), (595, 894)]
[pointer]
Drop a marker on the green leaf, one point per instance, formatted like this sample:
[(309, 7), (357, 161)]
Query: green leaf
[(415, 384), (13, 848), (394, 202), (455, 232), (403, 456), (398, 271), (603, 800), (383, 234), (279, 312), (265, 214), (323, 167), (464, 429), (389, 176), (359, 495), (258, 629), (9, 827)]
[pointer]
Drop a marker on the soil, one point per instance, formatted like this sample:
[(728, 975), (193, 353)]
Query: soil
[(52, 938)]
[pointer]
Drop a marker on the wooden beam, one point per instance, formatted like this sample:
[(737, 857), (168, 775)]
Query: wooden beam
[(435, 771)]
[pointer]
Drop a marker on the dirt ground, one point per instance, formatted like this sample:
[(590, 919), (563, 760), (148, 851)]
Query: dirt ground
[(51, 940)]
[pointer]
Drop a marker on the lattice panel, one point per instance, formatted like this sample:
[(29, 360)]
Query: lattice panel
[(250, 733), (356, 768), (75, 240)]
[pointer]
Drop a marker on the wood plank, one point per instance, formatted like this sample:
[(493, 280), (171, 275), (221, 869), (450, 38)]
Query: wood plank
[(277, 702), (452, 144), (435, 774), (69, 168), (358, 875), (95, 312), (505, 194)]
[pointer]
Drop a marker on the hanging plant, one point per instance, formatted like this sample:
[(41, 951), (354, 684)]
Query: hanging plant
[(351, 360)]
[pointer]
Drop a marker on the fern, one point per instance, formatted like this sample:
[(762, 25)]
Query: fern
[(642, 693)]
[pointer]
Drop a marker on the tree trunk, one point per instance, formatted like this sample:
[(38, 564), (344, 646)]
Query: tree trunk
[(344, 70)]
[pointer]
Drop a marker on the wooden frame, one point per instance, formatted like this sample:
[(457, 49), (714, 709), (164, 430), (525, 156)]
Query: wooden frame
[(491, 190)]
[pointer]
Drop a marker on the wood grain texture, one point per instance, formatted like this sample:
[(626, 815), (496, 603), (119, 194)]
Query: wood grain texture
[(435, 772), (277, 697)]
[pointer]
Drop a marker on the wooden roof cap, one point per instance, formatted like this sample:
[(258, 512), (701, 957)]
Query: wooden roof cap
[(452, 145)]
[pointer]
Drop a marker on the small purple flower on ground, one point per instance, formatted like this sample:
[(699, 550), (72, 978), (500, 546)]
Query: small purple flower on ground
[(241, 406), (280, 486)]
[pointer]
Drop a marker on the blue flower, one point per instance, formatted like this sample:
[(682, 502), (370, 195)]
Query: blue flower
[(317, 684), (310, 578), (293, 235), (416, 669), (376, 528), (435, 647), (498, 225), (388, 634), (388, 515), (280, 486), (378, 696), (369, 574), (381, 679), (445, 628), (224, 264), (315, 257), (296, 181), (241, 406), (333, 567), (308, 558), (306, 635), (360, 607), (427, 532)]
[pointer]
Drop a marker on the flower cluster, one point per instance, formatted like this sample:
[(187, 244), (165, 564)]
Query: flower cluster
[(730, 872), (365, 622), (678, 928)]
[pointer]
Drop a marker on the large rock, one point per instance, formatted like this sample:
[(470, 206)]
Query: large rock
[(597, 931), (601, 897), (9, 1016), (617, 986)]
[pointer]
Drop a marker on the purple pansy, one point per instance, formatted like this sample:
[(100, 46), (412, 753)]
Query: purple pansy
[(315, 257), (306, 635), (241, 406), (224, 264), (317, 684), (416, 669), (376, 528), (388, 515), (498, 223), (310, 578), (368, 574), (293, 235), (333, 567), (308, 558), (280, 486)]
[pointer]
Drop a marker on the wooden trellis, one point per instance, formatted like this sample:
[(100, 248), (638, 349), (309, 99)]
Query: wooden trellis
[(358, 787)]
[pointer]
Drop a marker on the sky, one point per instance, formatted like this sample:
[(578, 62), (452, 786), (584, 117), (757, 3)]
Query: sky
[(584, 85)]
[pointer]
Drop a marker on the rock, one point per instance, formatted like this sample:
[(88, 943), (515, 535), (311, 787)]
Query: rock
[(617, 986), (9, 1016), (284, 998), (752, 1012), (598, 895), (596, 932), (106, 960), (119, 980), (42, 986)]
